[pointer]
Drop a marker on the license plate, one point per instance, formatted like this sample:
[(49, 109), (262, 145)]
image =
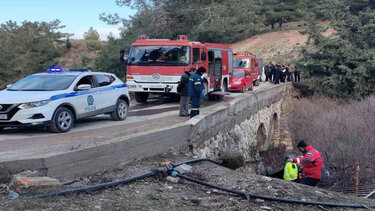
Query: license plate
[(3, 116), (156, 86), (132, 86)]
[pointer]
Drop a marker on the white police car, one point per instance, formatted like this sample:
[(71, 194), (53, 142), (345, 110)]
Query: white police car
[(59, 97)]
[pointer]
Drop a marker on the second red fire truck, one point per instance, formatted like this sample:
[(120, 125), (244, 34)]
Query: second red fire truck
[(156, 65)]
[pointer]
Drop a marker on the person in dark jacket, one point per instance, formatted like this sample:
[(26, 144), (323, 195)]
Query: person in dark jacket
[(312, 164), (183, 90), (196, 88), (277, 74), (268, 71)]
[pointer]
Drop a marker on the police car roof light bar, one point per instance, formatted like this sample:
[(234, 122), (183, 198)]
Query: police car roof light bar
[(54, 69)]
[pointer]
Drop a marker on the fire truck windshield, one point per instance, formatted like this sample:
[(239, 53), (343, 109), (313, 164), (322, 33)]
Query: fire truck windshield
[(159, 55), (241, 63)]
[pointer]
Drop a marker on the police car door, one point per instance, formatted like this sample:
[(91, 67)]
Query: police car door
[(108, 94), (87, 102)]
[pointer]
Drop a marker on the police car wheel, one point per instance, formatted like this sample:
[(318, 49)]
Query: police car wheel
[(121, 111), (63, 120)]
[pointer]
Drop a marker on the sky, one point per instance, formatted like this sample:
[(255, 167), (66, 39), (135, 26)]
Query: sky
[(77, 15)]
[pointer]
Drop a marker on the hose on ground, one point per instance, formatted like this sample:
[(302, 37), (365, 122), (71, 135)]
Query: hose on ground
[(248, 195), (119, 182), (94, 187)]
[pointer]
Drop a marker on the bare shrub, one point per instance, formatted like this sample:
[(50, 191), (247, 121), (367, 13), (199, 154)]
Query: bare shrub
[(5, 175), (274, 157), (343, 131)]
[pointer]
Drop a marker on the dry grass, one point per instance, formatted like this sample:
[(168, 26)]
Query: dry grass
[(343, 131), (81, 54)]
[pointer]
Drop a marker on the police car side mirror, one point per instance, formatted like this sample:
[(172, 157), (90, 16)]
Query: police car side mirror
[(203, 56), (84, 87), (9, 85)]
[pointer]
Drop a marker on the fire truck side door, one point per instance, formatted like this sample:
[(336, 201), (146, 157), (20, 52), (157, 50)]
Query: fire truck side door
[(211, 68)]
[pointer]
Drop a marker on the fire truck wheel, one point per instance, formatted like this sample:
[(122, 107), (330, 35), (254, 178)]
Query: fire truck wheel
[(141, 97), (250, 88)]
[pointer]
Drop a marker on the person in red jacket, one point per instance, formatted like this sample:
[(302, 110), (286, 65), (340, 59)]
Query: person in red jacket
[(312, 164)]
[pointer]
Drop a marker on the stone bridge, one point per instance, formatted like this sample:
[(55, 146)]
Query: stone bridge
[(249, 125)]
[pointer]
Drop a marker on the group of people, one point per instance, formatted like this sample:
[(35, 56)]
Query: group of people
[(191, 89), (308, 169), (281, 73)]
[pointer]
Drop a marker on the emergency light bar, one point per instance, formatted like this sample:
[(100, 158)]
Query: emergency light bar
[(54, 69), (59, 70)]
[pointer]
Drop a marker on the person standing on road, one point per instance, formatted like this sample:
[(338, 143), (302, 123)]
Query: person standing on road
[(268, 71), (277, 74), (312, 164), (196, 88), (183, 90)]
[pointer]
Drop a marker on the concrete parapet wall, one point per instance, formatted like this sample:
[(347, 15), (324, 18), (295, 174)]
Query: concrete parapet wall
[(196, 134)]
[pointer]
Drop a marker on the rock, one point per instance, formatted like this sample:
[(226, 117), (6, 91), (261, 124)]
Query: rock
[(170, 187), (33, 185), (265, 208), (173, 179), (183, 168), (318, 192), (259, 200), (267, 178)]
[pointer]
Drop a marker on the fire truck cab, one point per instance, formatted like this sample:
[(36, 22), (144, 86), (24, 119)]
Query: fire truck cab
[(156, 65)]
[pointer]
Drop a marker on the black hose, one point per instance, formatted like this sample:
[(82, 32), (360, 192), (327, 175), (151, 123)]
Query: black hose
[(94, 187), (118, 182), (247, 195)]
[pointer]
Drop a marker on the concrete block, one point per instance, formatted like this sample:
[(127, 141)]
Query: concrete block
[(33, 185)]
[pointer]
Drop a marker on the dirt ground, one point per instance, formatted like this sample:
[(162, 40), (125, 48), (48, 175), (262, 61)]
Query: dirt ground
[(279, 46), (156, 193)]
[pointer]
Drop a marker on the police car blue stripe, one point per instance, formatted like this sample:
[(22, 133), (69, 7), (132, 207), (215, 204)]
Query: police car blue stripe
[(74, 94)]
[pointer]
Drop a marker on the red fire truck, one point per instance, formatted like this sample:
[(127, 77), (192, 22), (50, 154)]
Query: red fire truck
[(156, 65), (250, 63)]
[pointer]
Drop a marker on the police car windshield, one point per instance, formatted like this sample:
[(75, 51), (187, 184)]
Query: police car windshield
[(159, 55), (241, 63), (237, 74), (50, 82)]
